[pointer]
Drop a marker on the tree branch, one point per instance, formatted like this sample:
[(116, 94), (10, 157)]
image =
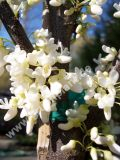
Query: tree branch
[(14, 28)]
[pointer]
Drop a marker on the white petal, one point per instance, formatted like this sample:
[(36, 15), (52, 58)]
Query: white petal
[(55, 3), (47, 105), (101, 140), (114, 75), (101, 104), (94, 133), (23, 113), (107, 113), (116, 6), (32, 58), (77, 88), (96, 9), (108, 58), (69, 146), (65, 126), (11, 113), (44, 116), (55, 88), (30, 124), (115, 148), (117, 14), (46, 71), (64, 59), (93, 153)]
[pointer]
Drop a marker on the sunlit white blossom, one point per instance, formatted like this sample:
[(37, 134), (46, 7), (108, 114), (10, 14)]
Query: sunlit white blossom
[(117, 7), (69, 146)]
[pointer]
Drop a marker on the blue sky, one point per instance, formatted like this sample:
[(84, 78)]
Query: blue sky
[(33, 20)]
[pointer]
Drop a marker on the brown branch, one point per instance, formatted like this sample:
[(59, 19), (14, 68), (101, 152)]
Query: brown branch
[(14, 28)]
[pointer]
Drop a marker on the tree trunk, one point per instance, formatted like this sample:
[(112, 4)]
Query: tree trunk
[(61, 28)]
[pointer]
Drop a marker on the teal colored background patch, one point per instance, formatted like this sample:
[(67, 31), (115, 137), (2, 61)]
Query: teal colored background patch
[(62, 106)]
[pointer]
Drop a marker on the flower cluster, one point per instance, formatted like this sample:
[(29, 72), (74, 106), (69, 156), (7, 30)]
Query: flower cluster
[(102, 91), (103, 62), (35, 80), (107, 140), (75, 117)]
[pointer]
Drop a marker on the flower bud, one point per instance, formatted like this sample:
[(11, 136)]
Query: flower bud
[(69, 146), (79, 28), (93, 153), (94, 133), (96, 9), (11, 113), (69, 11), (30, 124)]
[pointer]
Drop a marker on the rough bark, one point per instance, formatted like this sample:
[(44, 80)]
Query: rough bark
[(14, 28)]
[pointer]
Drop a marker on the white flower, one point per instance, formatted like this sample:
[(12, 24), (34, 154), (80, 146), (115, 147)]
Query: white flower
[(89, 94), (94, 133), (96, 9), (42, 33), (33, 57), (112, 52), (55, 87), (44, 59), (47, 105), (107, 140), (64, 59), (11, 106), (56, 3), (69, 11), (75, 117), (79, 28), (47, 45), (30, 124), (67, 126), (69, 146), (46, 71), (117, 7), (115, 148), (106, 102), (106, 80), (33, 85), (93, 153), (96, 6)]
